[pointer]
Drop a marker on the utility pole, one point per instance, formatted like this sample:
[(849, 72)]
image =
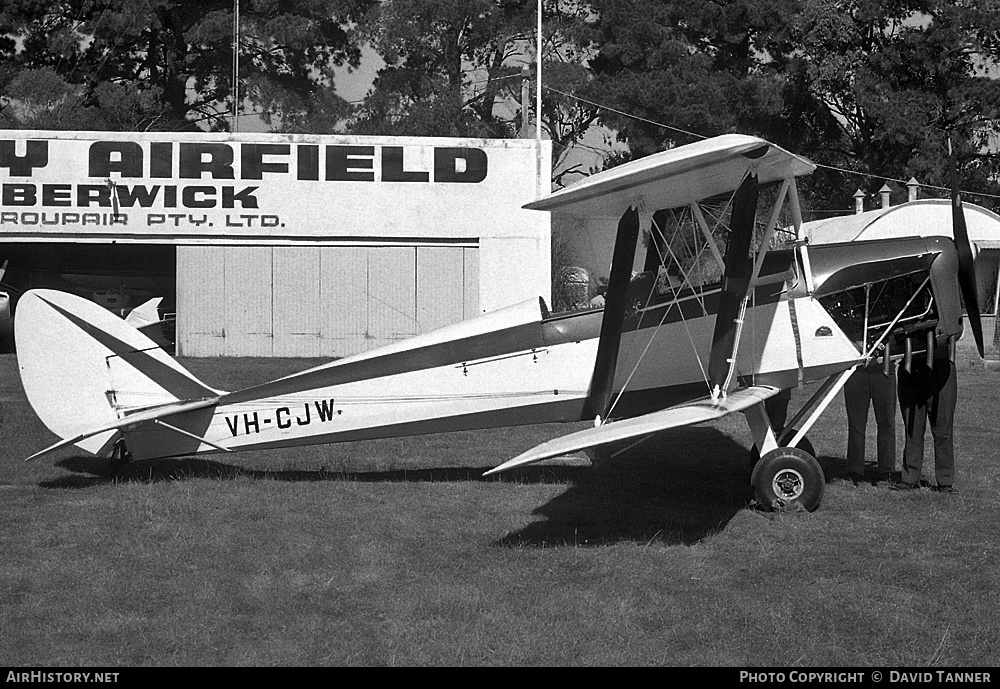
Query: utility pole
[(235, 124), (538, 105)]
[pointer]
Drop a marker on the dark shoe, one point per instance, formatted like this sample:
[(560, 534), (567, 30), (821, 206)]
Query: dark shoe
[(856, 479), (903, 485), (949, 490), (883, 480)]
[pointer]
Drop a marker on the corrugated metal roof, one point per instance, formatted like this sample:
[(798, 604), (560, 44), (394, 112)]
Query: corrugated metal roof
[(923, 218)]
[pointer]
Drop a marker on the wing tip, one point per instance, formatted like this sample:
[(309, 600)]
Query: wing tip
[(508, 465)]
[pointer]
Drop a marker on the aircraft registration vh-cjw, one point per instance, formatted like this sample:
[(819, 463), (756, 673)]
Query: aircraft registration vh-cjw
[(696, 334)]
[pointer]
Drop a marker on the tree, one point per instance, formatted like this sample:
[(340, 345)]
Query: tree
[(874, 87), (448, 64), (900, 78), (690, 69), (454, 68), (167, 64)]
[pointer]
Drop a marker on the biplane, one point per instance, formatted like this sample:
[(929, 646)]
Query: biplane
[(717, 317)]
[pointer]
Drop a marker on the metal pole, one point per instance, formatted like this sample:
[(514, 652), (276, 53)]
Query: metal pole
[(538, 77), (235, 126), (538, 103)]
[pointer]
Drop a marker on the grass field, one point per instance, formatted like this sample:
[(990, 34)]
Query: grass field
[(396, 552)]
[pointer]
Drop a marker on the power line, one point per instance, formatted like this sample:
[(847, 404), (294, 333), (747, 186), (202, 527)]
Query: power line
[(819, 165), (900, 181), (625, 114)]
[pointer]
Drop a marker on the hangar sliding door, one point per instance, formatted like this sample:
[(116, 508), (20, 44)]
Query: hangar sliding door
[(201, 304), (318, 301)]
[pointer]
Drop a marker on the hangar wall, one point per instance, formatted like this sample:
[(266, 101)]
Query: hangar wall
[(296, 245), (318, 301)]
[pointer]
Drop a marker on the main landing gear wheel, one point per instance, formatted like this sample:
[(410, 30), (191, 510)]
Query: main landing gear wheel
[(803, 445), (788, 479)]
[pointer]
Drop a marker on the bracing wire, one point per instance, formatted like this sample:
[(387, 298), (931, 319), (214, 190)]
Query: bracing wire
[(686, 280)]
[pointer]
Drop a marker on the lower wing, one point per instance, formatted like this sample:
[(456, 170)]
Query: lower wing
[(689, 413)]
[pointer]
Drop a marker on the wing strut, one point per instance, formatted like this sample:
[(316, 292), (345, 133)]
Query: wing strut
[(735, 286), (806, 416), (615, 305)]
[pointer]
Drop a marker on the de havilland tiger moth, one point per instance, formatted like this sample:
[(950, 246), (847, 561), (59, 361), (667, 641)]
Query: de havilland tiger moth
[(697, 333)]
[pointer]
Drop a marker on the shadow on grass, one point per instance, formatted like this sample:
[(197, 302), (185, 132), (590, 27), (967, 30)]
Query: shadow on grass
[(675, 488), (91, 471)]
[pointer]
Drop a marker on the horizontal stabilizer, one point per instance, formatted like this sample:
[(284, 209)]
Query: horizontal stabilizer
[(698, 411), (128, 422)]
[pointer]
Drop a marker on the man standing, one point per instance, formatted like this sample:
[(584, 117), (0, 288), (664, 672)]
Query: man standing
[(871, 386), (929, 392)]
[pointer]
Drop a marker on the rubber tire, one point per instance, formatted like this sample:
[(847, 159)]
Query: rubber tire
[(803, 445), (798, 471)]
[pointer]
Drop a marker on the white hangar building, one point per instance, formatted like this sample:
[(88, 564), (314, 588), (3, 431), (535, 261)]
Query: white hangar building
[(278, 245), (924, 217)]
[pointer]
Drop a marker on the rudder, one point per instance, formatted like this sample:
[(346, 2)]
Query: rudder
[(83, 368)]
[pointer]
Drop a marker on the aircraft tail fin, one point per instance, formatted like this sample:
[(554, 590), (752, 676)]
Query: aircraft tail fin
[(145, 314), (87, 373)]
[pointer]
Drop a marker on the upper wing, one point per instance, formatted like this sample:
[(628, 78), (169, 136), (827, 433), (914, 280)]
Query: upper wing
[(677, 177), (698, 411)]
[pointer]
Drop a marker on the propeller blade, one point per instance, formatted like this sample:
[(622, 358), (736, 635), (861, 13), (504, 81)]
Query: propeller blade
[(966, 259), (615, 306)]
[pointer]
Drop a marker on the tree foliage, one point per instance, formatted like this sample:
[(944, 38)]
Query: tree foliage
[(901, 78), (689, 68), (449, 64), (871, 86), (455, 68), (168, 64)]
